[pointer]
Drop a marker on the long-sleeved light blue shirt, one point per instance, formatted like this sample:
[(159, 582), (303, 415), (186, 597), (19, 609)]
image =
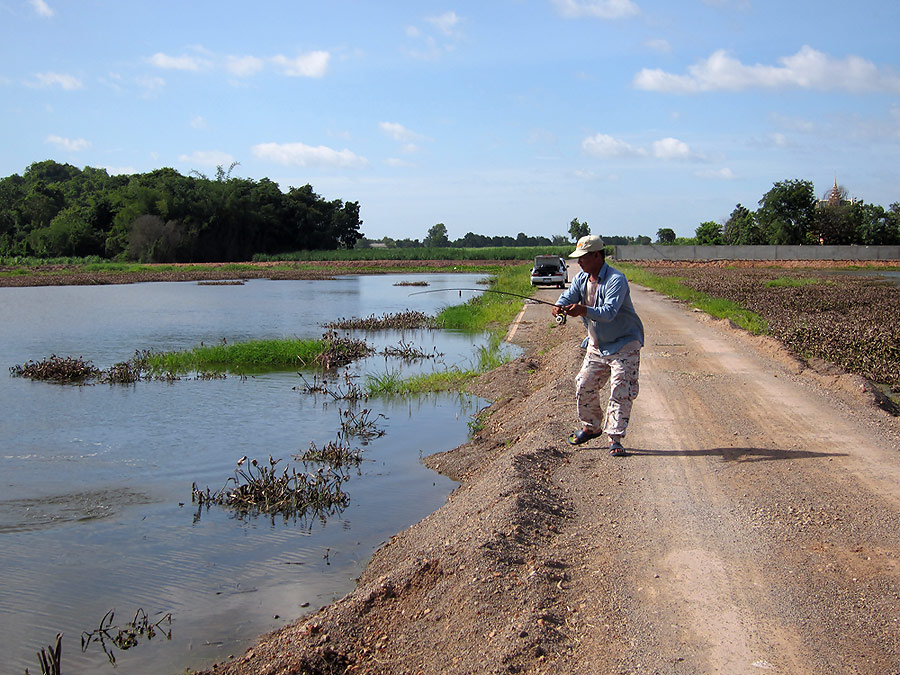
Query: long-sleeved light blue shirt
[(612, 318)]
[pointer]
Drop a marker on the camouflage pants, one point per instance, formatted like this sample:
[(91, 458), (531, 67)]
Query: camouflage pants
[(621, 370)]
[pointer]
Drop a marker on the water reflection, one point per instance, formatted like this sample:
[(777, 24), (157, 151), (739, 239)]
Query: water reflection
[(96, 506)]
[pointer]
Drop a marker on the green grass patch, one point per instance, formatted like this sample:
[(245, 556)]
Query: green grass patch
[(252, 356), (491, 311), (791, 282), (487, 357), (717, 307), (393, 384)]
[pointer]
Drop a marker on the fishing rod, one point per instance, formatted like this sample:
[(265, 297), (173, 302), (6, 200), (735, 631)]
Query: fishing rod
[(560, 318)]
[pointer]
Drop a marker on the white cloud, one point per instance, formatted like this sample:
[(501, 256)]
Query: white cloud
[(602, 145), (399, 132), (42, 8), (671, 148), (433, 47), (198, 122), (598, 9), (71, 145), (67, 82), (299, 154), (807, 69), (313, 64), (190, 63), (207, 158), (446, 23), (243, 66)]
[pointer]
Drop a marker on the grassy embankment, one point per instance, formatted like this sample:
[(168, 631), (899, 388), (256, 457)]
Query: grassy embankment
[(489, 311)]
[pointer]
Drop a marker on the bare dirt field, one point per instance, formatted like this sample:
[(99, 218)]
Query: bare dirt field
[(753, 526)]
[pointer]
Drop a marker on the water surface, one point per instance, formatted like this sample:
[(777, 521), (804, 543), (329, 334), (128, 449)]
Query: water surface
[(95, 509)]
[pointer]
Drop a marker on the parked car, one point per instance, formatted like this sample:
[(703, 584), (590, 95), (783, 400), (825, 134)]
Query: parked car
[(549, 270)]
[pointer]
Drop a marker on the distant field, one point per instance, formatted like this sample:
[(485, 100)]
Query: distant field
[(488, 253)]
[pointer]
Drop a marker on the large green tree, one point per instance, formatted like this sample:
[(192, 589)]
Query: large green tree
[(709, 233), (577, 230), (741, 228), (787, 213), (665, 235), (437, 236)]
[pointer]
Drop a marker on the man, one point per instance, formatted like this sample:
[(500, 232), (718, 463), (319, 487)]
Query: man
[(600, 295)]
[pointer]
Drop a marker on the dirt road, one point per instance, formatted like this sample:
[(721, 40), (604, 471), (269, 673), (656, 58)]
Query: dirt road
[(752, 528), (758, 513)]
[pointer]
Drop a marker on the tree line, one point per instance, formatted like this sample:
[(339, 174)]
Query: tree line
[(789, 213), (437, 238), (58, 210)]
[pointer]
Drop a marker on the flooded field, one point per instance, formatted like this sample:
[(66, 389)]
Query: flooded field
[(96, 511)]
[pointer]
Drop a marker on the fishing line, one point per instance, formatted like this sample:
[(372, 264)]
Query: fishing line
[(560, 318)]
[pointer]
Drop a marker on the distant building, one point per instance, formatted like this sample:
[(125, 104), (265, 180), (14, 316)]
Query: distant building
[(834, 198)]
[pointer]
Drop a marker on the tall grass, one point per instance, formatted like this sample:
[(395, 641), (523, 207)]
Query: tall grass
[(491, 311), (252, 356), (393, 384), (717, 307)]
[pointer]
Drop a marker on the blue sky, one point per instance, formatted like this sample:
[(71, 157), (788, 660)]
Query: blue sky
[(490, 116)]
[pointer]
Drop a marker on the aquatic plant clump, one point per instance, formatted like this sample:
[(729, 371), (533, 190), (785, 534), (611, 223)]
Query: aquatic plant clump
[(349, 391), (339, 351), (360, 424), (259, 489), (127, 636), (409, 352), (64, 370), (409, 320), (335, 453)]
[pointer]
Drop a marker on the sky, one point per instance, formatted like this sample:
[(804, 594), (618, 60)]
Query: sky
[(489, 116)]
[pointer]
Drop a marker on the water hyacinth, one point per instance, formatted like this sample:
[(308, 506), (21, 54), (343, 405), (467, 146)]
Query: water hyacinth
[(64, 370)]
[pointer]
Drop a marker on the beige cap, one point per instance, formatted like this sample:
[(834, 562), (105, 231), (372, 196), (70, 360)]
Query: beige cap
[(587, 244)]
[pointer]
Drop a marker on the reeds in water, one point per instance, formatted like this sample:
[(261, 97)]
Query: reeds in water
[(257, 488), (407, 320)]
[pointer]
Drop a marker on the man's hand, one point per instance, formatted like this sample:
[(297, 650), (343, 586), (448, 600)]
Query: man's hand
[(570, 310)]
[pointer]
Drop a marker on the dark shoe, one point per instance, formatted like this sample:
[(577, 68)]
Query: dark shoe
[(582, 436), (616, 449)]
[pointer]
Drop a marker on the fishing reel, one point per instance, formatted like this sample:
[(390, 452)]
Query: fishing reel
[(561, 319)]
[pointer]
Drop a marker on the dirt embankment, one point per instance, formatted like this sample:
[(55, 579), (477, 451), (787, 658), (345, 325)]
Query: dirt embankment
[(752, 527)]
